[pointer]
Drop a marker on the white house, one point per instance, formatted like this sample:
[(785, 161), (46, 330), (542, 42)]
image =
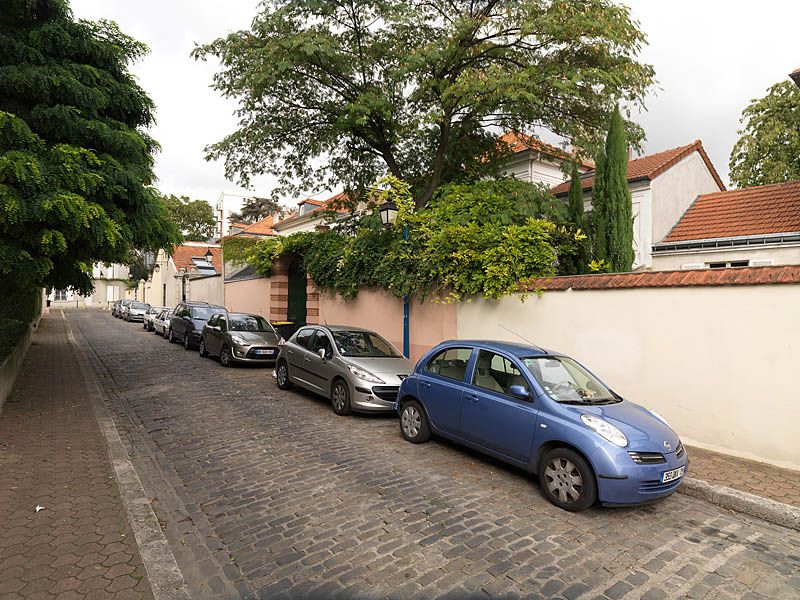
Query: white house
[(185, 274), (310, 215), (662, 186), (111, 282), (537, 162)]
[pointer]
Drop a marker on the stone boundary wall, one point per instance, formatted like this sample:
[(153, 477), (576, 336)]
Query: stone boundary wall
[(12, 365)]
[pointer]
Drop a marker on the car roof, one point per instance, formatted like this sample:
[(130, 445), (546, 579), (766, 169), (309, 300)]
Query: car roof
[(332, 328), (241, 314), (513, 348)]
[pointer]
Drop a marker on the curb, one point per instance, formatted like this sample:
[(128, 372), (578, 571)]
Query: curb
[(731, 499)]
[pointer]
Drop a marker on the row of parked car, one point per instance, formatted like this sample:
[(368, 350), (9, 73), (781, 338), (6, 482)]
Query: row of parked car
[(533, 408)]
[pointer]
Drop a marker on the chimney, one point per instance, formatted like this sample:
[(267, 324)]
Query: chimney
[(795, 75)]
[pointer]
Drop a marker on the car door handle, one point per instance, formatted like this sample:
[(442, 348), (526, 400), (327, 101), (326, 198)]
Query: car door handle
[(290, 352), (473, 398), (425, 384), (307, 359)]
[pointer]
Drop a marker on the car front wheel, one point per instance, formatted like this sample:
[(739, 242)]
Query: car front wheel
[(225, 358), (202, 348), (171, 336), (340, 398), (567, 480), (282, 376), (414, 423)]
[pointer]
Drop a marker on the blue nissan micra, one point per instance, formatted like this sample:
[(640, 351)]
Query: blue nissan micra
[(546, 413)]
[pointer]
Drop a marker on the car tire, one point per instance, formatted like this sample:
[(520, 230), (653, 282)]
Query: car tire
[(567, 480), (414, 422), (202, 348), (187, 342), (225, 358), (171, 336), (340, 398), (282, 376)]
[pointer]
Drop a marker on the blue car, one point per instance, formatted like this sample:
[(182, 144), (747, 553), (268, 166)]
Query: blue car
[(543, 412)]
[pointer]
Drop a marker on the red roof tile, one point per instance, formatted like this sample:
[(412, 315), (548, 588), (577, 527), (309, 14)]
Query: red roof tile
[(260, 228), (650, 167), (332, 203), (182, 256), (749, 211), (660, 279), (519, 142)]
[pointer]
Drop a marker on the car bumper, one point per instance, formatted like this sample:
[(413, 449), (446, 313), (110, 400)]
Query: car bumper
[(622, 482), (375, 399), (133, 318), (247, 354)]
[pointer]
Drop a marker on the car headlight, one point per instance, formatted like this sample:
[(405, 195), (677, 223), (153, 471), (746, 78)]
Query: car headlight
[(239, 341), (365, 375), (605, 430), (659, 417)]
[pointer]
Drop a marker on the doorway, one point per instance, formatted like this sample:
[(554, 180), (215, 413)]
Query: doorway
[(296, 309)]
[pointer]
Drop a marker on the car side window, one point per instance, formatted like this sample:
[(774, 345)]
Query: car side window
[(304, 337), (496, 373), (450, 363), (322, 342), (213, 321), (222, 322)]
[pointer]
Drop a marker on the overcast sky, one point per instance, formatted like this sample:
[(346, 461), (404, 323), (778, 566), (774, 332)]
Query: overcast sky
[(711, 57)]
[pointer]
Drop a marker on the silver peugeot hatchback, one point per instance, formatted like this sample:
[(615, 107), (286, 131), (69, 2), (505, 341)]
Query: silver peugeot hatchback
[(356, 368)]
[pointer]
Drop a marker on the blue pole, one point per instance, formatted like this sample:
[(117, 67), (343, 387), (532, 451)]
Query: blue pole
[(406, 341)]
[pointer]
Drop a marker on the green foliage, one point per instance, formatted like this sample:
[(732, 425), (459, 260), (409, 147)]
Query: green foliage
[(485, 238), (193, 218), (577, 262), (254, 209), (768, 149), (612, 217), (340, 93), (19, 306), (75, 159)]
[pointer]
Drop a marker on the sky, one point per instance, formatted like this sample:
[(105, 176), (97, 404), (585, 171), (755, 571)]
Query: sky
[(711, 58)]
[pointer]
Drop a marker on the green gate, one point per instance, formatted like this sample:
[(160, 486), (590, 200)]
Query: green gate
[(296, 311)]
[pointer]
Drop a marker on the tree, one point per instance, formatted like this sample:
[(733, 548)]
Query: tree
[(577, 263), (340, 93), (193, 218), (254, 209), (611, 200), (768, 149), (599, 216), (76, 164)]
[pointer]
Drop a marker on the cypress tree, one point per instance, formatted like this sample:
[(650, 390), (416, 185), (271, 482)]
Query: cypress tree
[(618, 197), (599, 216), (579, 261)]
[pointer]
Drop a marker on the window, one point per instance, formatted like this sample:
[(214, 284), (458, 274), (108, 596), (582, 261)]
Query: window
[(249, 323), (363, 344), (213, 321), (203, 312), (496, 373), (322, 342), (451, 363), (60, 295), (303, 337), (223, 322), (566, 381), (731, 264)]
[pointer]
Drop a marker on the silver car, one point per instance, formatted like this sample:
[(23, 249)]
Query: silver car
[(152, 313), (161, 322), (239, 338), (122, 307), (356, 368), (135, 311)]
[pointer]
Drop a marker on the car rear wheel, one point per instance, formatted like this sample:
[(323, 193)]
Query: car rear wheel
[(282, 376), (567, 480), (171, 336), (187, 343), (340, 398), (225, 358), (144, 324), (202, 348), (414, 423)]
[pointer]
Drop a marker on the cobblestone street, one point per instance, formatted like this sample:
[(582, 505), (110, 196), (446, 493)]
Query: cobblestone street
[(263, 493)]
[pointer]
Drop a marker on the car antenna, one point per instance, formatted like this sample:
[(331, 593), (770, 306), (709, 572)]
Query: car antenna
[(516, 334)]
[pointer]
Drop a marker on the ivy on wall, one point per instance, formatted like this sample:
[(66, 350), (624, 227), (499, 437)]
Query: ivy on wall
[(479, 238)]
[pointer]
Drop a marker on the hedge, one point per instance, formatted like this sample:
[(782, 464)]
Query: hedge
[(18, 308)]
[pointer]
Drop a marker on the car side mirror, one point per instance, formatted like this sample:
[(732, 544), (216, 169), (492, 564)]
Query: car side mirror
[(322, 354), (519, 391)]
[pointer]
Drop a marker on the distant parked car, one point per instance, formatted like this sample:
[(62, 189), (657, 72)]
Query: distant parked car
[(240, 338), (187, 322), (547, 414), (152, 313), (114, 306), (356, 368), (122, 307), (135, 311), (161, 322)]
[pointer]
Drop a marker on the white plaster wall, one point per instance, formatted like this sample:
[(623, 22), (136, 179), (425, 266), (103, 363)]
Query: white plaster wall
[(780, 255), (206, 289), (248, 296), (676, 189), (535, 170), (719, 363)]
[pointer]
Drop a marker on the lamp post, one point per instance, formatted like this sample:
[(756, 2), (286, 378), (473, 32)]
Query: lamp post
[(209, 256), (388, 211)]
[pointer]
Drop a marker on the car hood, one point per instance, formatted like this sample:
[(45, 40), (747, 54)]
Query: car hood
[(645, 431), (264, 338), (395, 366)]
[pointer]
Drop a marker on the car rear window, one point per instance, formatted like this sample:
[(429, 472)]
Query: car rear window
[(450, 363), (204, 312)]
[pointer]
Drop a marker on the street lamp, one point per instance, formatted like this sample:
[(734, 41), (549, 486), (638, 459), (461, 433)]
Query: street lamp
[(388, 211), (209, 256), (157, 268)]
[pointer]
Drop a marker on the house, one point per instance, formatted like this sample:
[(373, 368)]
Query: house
[(662, 186), (186, 273), (537, 162), (111, 282), (226, 204), (756, 226), (310, 214)]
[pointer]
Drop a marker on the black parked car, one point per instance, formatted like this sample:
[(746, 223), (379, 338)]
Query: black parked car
[(187, 322)]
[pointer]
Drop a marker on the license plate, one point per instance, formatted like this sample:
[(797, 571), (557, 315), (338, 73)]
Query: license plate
[(267, 352), (668, 476)]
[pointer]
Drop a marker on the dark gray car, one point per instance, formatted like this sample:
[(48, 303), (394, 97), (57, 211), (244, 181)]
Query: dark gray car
[(240, 338), (356, 368), (187, 322)]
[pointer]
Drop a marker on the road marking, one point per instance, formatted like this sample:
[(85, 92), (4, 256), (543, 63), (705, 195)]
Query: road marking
[(165, 577)]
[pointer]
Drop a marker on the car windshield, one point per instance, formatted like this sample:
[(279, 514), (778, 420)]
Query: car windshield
[(567, 382), (139, 305), (204, 313), (248, 323), (363, 344)]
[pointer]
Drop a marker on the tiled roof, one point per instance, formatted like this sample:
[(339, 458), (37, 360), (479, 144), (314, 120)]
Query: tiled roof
[(519, 142), (260, 228), (334, 203), (660, 279), (182, 256), (749, 211), (650, 167)]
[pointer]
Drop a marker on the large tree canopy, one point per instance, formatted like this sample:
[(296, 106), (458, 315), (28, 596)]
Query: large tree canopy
[(339, 93), (76, 164), (193, 218), (254, 209), (768, 150)]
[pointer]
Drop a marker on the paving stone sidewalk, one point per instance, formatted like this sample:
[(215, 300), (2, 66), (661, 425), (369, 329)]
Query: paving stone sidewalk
[(760, 479), (53, 454)]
